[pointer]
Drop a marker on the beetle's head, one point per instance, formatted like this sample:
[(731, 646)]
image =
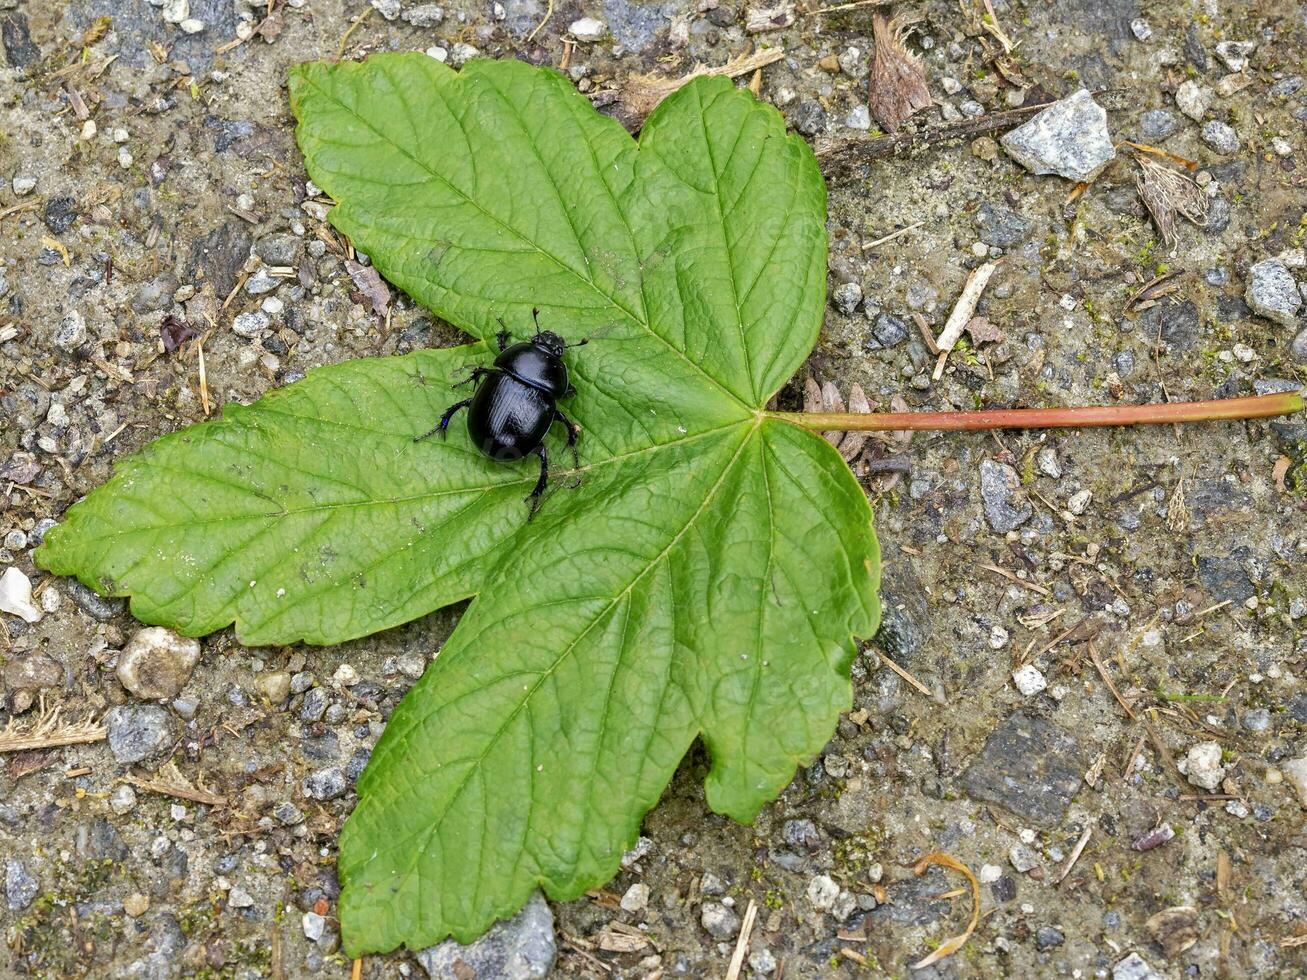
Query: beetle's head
[(549, 342)]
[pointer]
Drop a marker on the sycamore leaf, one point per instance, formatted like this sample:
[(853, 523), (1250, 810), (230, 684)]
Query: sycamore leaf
[(705, 579)]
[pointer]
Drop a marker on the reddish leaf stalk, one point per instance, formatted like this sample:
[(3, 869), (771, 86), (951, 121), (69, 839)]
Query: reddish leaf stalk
[(1256, 407)]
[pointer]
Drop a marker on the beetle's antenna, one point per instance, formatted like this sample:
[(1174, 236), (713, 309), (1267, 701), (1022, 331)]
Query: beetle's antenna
[(580, 343), (535, 315)]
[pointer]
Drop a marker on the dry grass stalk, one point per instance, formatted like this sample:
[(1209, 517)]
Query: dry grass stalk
[(897, 86), (962, 313), (49, 731), (902, 672), (742, 944), (642, 93), (169, 781), (954, 943), (1166, 193)]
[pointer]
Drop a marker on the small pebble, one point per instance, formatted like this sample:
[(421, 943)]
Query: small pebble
[(587, 29), (636, 898), (1029, 680), (136, 905)]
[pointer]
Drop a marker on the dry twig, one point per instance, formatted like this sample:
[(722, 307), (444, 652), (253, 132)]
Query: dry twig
[(49, 731), (951, 945)]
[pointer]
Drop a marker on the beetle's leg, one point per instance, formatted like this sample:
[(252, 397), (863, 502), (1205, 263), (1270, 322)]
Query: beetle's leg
[(573, 430), (503, 337), (444, 420), (477, 374), (534, 498)]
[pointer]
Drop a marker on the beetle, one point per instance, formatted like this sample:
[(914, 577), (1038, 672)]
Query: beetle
[(516, 402)]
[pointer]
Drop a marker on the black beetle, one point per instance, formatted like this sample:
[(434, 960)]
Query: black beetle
[(516, 402)]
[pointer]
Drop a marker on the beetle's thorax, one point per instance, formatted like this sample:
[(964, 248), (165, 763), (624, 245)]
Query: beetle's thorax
[(532, 365)]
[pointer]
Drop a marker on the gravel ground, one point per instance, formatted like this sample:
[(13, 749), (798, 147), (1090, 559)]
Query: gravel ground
[(137, 153)]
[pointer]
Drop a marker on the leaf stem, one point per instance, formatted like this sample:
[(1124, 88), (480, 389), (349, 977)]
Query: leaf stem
[(1253, 407)]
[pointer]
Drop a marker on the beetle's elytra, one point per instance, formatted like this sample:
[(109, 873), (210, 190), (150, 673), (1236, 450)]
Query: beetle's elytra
[(516, 402)]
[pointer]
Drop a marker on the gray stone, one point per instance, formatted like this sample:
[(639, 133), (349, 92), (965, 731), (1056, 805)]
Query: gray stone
[(92, 603), (1226, 576), (1176, 323), (424, 15), (20, 885), (325, 784), (520, 948), (17, 40), (288, 813), (888, 331), (916, 901), (1193, 99), (33, 672), (261, 282), (1257, 720), (157, 663), (1298, 350), (846, 296), (1028, 766), (388, 9), (219, 256), (71, 333), (1220, 136), (59, 214), (809, 117), (1006, 506), (1069, 138), (1048, 937), (314, 705), (905, 622), (1000, 226), (1272, 292), (722, 923), (138, 733), (251, 324), (1134, 967), (279, 249), (155, 295)]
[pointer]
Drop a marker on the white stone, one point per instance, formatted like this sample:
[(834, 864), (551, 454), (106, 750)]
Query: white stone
[(823, 892), (1079, 502), (192, 25), (16, 596), (989, 873), (1202, 765), (1029, 680), (588, 29), (1235, 54), (345, 676), (24, 185), (314, 926), (636, 898), (425, 15), (176, 11), (1295, 770), (460, 54), (1193, 100), (388, 9)]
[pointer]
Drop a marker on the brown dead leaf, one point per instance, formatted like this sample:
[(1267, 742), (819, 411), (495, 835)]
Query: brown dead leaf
[(1174, 929), (640, 94), (951, 945), (1279, 471), (1166, 193), (370, 283), (897, 86), (984, 332)]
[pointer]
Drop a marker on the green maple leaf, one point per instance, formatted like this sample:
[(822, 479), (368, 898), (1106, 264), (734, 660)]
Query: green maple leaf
[(707, 577)]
